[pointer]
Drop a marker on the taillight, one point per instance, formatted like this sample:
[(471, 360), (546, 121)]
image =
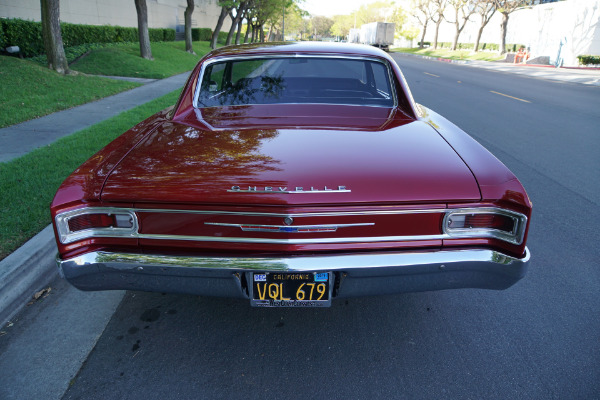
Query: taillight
[(485, 222), (89, 222)]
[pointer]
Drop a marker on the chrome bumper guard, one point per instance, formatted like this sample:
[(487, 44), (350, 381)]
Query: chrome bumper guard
[(358, 274)]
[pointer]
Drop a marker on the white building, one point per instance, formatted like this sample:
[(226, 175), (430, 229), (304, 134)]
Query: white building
[(542, 28), (161, 13)]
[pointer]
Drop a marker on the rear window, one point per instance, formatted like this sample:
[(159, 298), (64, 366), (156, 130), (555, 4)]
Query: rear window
[(289, 80)]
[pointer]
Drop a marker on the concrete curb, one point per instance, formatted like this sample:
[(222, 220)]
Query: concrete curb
[(25, 271)]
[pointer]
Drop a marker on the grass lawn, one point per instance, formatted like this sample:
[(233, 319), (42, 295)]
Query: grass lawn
[(170, 59), (30, 90), (453, 55), (28, 184)]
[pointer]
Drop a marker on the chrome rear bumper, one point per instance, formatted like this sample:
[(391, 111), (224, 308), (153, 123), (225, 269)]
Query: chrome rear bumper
[(359, 274)]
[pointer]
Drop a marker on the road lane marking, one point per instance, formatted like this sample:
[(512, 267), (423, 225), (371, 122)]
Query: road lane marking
[(427, 73), (515, 98)]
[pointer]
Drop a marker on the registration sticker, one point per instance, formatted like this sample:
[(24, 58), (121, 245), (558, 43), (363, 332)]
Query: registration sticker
[(260, 277), (321, 277)]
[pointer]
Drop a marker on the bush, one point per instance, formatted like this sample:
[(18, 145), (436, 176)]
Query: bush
[(201, 34), (25, 34), (512, 48), (126, 34), (76, 34), (425, 44), (28, 35), (156, 34), (489, 46), (168, 35), (2, 45), (222, 37), (589, 60)]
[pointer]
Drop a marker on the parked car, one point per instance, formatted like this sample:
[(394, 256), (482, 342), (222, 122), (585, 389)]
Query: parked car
[(290, 175)]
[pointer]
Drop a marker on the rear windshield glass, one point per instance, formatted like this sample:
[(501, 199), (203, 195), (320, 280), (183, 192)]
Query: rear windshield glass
[(296, 80)]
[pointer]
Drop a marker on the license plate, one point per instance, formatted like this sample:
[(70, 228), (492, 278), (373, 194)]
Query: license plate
[(291, 289)]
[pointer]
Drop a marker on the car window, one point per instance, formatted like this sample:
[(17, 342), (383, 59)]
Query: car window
[(280, 80)]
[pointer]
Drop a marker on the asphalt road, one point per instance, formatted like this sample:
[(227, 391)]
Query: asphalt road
[(537, 340)]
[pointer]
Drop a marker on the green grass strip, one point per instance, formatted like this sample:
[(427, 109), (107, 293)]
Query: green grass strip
[(28, 184), (170, 58), (30, 90)]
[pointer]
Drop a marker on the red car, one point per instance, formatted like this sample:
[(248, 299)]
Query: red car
[(290, 175)]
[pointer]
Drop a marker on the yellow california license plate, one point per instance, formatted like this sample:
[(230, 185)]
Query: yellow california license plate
[(291, 289)]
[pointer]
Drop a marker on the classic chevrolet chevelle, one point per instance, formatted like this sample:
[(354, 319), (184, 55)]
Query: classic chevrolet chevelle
[(290, 175)]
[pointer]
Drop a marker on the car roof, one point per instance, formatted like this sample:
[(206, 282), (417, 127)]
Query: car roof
[(298, 47)]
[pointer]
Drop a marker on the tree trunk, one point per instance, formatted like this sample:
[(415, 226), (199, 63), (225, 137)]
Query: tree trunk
[(437, 30), (261, 31), (422, 44), (55, 52), (239, 31), (231, 29), (142, 16), (215, 36), (188, 26), (455, 41), (479, 33), (503, 26), (248, 29)]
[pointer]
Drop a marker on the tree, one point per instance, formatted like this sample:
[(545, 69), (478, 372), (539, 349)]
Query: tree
[(321, 25), (463, 9), (55, 52), (225, 7), (239, 8), (423, 13), (342, 25), (506, 7), (295, 19), (439, 7), (486, 9), (142, 16), (188, 26)]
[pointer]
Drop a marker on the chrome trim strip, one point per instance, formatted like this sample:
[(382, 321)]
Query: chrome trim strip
[(290, 191), (294, 55), (294, 215), (289, 228), (295, 241)]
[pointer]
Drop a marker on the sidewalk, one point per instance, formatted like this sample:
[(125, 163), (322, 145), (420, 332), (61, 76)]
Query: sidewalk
[(32, 266), (586, 76)]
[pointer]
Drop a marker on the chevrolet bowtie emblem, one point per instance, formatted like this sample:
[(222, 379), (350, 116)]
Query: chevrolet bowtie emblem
[(280, 189)]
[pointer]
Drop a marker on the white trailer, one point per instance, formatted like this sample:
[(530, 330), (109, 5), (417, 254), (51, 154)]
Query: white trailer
[(354, 35), (378, 34)]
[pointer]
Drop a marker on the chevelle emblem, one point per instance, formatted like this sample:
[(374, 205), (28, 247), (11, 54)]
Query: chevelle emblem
[(280, 189)]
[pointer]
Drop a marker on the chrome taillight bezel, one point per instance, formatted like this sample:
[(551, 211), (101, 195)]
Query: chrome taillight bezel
[(516, 236), (67, 236)]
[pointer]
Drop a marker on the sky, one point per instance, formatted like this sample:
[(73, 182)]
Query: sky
[(329, 8)]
